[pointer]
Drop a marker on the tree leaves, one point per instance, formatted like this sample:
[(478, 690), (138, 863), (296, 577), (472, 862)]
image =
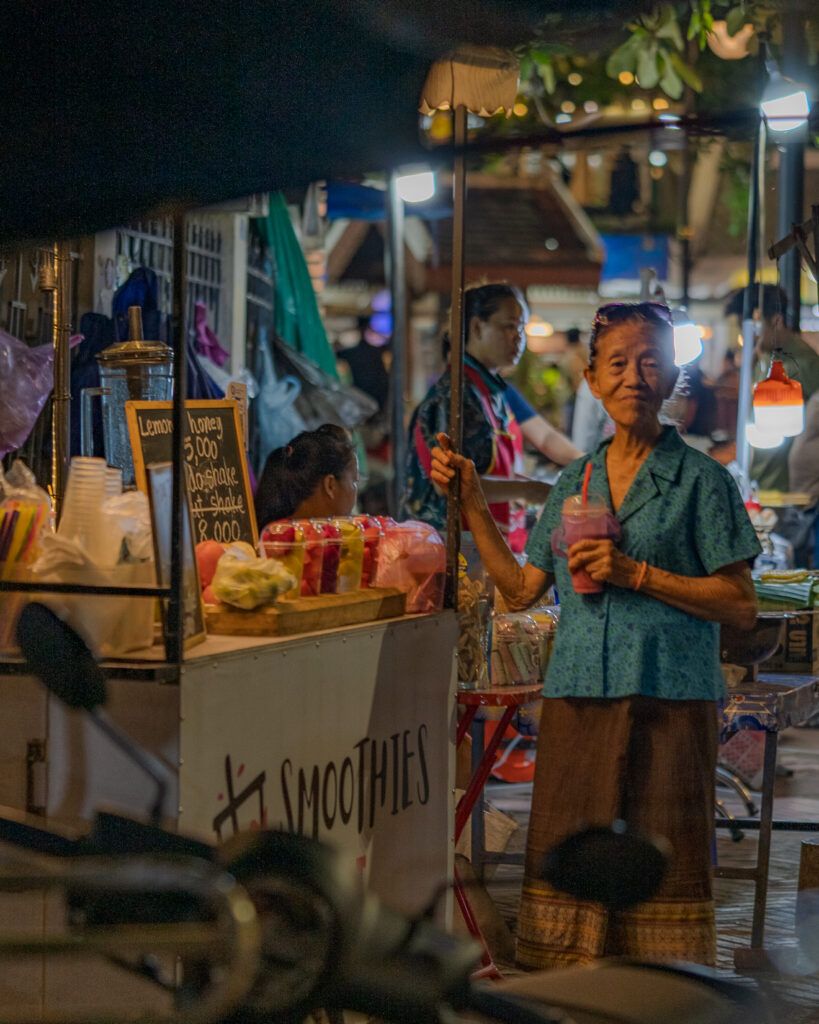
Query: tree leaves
[(688, 74), (670, 82), (653, 51), (701, 22), (647, 71), (735, 19)]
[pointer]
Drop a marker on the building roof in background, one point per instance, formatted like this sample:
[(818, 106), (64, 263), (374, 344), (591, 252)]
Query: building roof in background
[(527, 230)]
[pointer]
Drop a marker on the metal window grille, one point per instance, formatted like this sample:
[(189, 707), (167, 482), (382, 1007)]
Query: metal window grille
[(149, 243)]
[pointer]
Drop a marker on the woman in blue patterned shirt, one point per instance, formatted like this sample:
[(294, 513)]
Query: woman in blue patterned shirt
[(629, 720)]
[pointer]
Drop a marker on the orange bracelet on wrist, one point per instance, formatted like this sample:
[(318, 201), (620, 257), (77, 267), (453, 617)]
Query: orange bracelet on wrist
[(641, 576)]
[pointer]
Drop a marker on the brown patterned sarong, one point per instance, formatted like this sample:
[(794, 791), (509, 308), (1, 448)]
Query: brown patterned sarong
[(651, 763)]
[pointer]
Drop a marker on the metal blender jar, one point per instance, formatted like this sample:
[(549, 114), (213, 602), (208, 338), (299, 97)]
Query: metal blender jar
[(132, 370)]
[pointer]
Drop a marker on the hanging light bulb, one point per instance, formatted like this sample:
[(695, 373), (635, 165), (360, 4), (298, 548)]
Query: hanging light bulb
[(687, 338), (758, 439), (416, 185), (785, 105), (778, 404)]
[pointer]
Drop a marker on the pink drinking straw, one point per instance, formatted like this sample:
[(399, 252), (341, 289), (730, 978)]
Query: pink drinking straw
[(586, 478)]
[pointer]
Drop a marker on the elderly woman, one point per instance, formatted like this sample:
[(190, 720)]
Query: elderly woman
[(629, 720)]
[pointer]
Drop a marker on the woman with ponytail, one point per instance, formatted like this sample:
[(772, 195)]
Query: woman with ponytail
[(313, 477)]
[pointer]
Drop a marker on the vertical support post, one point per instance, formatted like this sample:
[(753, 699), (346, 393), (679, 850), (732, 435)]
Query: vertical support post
[(683, 226), (174, 636), (456, 359), (791, 184), (814, 212), (61, 397), (763, 856), (398, 293), (748, 323)]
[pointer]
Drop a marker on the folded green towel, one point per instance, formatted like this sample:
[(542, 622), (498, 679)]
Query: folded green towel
[(786, 596)]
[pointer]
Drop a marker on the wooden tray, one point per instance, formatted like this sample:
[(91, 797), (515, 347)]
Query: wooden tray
[(307, 614)]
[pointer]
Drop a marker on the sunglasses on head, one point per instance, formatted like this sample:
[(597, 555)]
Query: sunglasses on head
[(614, 311)]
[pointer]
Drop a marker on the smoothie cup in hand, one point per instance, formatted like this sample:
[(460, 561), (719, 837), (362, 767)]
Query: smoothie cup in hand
[(586, 521)]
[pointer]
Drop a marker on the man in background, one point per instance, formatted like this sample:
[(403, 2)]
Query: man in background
[(572, 366)]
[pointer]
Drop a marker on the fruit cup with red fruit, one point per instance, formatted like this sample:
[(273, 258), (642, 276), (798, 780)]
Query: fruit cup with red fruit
[(351, 560), (314, 547), (283, 541), (372, 538), (332, 554)]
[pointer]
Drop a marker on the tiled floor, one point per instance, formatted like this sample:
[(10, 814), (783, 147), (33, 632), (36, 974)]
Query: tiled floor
[(794, 994)]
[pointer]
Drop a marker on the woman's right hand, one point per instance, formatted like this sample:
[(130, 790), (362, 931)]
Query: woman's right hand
[(446, 464)]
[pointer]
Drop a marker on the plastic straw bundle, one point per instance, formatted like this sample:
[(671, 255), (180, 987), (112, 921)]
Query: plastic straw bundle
[(20, 526)]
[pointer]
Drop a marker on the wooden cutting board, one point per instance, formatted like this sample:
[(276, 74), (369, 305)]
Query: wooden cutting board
[(307, 614)]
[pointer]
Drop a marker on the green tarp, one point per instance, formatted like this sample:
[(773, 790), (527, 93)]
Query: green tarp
[(295, 311)]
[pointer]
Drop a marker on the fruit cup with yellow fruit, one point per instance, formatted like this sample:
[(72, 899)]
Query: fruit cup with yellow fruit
[(351, 554), (284, 541)]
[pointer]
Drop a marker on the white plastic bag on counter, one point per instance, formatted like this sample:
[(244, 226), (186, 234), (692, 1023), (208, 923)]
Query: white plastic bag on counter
[(130, 515), (111, 626), (246, 581)]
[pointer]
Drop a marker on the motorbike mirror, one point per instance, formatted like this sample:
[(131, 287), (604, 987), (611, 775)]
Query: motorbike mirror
[(58, 656), (612, 866)]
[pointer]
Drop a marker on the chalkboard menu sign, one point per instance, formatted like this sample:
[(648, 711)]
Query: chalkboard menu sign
[(216, 475)]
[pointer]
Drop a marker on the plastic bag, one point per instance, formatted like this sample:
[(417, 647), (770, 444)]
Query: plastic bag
[(276, 414), (26, 380), (515, 657), (412, 557), (323, 398), (25, 518), (19, 484), (129, 515), (245, 581), (111, 626)]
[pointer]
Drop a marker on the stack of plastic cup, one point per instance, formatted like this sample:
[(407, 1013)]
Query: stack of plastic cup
[(82, 516), (113, 482)]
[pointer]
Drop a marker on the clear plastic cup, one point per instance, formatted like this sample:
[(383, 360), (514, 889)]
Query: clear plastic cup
[(332, 554), (284, 542), (351, 555), (589, 521), (82, 502), (314, 548), (113, 482), (373, 533)]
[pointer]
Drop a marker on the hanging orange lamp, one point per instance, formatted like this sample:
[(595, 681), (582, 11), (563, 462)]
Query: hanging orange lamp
[(779, 406)]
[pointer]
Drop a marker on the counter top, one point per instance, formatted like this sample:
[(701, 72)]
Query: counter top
[(150, 663)]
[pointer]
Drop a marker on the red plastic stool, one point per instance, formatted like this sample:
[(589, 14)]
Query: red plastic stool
[(509, 698)]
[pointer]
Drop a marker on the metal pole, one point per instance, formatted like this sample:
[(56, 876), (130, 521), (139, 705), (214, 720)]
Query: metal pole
[(456, 358), (398, 292), (746, 371), (791, 186), (683, 227), (175, 620), (61, 397)]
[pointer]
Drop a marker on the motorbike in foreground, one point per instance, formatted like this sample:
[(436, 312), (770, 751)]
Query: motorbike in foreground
[(272, 926)]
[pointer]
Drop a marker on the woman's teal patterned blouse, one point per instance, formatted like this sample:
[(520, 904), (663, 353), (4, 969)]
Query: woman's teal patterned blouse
[(683, 513)]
